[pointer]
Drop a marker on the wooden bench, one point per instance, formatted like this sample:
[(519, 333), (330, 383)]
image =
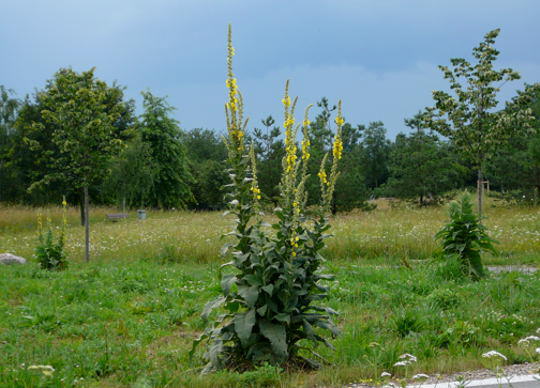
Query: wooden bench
[(116, 217)]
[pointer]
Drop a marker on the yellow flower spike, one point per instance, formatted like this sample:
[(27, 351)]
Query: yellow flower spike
[(339, 121), (286, 101), (323, 177), (337, 149)]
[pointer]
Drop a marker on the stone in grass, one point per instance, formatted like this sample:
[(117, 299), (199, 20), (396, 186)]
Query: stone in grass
[(8, 258)]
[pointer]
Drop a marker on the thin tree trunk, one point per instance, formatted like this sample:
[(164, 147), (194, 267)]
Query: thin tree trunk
[(480, 193), (81, 207), (86, 226)]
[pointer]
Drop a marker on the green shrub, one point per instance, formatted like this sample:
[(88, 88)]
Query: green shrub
[(50, 250), (271, 295), (461, 333), (407, 322), (465, 237)]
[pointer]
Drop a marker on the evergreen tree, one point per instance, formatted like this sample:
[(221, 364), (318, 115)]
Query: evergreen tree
[(422, 167), (8, 113), (172, 180), (269, 149), (207, 154), (375, 154)]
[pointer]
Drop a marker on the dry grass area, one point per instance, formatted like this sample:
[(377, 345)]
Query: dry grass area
[(389, 232)]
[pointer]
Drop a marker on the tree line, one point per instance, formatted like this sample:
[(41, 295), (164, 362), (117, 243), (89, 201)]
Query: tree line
[(80, 137)]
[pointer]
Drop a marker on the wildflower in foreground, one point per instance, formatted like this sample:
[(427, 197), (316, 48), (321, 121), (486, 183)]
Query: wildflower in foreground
[(537, 350), (528, 339), (420, 376), (386, 374), (402, 363), (409, 357), (494, 353)]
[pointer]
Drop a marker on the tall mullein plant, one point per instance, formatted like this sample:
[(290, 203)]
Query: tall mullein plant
[(270, 296)]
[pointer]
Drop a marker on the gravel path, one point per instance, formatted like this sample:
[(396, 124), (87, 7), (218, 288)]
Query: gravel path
[(510, 370), (512, 268)]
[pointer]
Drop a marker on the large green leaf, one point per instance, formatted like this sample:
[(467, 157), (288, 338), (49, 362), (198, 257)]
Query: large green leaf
[(250, 294), (243, 325), (226, 283), (211, 306), (276, 335)]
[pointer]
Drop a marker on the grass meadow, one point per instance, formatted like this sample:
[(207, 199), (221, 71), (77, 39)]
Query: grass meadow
[(128, 318)]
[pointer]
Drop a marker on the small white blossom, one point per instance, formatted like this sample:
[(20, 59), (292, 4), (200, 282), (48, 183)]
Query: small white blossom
[(402, 363), (526, 340), (494, 353), (420, 376), (386, 374), (537, 350), (409, 357)]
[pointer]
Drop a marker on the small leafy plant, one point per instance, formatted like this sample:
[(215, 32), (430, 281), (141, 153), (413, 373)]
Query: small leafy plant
[(50, 251), (272, 294), (465, 238)]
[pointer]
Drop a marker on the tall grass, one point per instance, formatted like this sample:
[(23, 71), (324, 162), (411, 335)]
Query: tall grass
[(392, 233)]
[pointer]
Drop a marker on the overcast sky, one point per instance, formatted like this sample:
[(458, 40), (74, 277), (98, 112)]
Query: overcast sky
[(379, 56)]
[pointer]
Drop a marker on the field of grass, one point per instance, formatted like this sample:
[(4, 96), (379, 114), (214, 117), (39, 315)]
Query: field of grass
[(128, 318), (391, 233)]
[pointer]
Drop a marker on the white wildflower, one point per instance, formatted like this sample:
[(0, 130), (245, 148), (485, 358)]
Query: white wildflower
[(386, 374), (537, 350), (409, 357), (402, 363), (494, 353), (527, 340), (420, 376)]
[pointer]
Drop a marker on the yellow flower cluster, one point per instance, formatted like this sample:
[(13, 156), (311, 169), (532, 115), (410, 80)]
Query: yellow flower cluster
[(294, 244), (323, 177), (290, 144), (286, 101), (306, 123), (233, 107), (237, 134), (256, 192), (337, 149), (305, 149), (289, 122)]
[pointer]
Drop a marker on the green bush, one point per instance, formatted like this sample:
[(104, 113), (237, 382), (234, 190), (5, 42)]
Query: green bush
[(50, 250), (465, 237)]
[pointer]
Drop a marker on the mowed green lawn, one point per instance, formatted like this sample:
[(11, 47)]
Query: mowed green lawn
[(129, 317)]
